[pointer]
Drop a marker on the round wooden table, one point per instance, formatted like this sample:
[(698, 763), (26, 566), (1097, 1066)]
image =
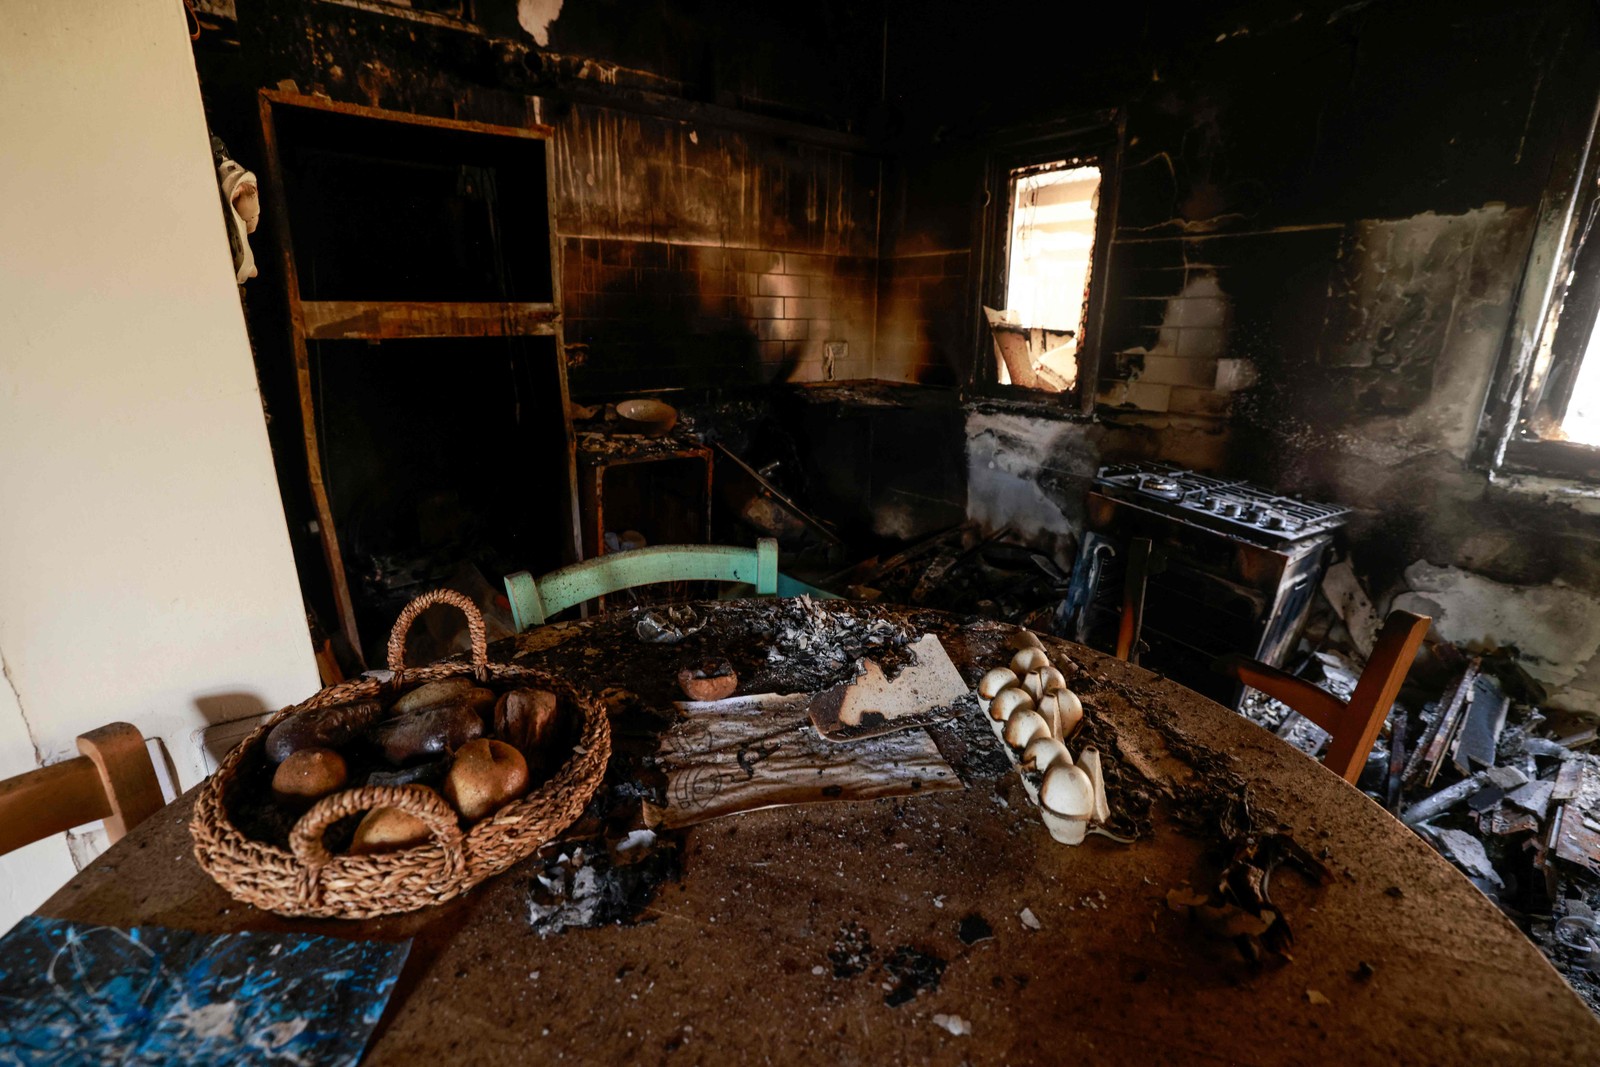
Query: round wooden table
[(1397, 960)]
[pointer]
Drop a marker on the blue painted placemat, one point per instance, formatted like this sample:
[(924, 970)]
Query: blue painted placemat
[(76, 994)]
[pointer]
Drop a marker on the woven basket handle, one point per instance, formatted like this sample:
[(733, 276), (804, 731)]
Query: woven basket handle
[(477, 633), (305, 840)]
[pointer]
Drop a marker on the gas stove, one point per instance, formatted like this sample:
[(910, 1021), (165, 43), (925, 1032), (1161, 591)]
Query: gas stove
[(1219, 566), (1220, 504)]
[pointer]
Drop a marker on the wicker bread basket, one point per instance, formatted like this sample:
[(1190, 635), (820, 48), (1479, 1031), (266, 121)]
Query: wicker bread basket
[(309, 880)]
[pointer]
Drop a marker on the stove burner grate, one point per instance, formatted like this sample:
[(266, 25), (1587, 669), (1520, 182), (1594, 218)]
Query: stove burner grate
[(1234, 506)]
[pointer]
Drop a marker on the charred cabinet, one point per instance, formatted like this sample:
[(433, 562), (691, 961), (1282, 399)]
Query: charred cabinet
[(423, 301)]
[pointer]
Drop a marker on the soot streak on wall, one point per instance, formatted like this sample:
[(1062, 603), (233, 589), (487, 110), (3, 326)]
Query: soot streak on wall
[(716, 204), (715, 192), (1325, 212)]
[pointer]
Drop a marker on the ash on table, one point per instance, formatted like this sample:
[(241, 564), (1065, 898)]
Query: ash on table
[(788, 645), (591, 885), (851, 953), (910, 972), (812, 644)]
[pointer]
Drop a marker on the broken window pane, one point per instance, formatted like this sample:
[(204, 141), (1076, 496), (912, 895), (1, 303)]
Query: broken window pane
[(1051, 245)]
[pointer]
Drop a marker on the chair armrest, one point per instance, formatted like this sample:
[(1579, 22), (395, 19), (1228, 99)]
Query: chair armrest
[(1316, 704)]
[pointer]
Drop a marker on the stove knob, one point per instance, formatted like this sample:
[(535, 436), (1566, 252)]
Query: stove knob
[(1272, 521), (1252, 514), (1230, 510)]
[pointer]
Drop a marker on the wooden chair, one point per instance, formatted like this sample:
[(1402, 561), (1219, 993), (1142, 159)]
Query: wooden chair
[(535, 600), (113, 780), (1354, 725)]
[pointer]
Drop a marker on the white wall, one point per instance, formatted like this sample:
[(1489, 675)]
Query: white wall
[(145, 571)]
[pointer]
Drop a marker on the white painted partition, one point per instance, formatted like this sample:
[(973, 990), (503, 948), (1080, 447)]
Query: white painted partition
[(145, 570)]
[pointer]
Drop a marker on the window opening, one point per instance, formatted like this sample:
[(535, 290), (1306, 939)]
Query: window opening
[(1582, 421), (1050, 252)]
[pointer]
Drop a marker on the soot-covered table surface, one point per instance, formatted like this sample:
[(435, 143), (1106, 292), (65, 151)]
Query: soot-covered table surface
[(942, 927)]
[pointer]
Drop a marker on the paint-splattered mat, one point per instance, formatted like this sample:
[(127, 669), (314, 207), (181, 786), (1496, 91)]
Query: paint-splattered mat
[(71, 993)]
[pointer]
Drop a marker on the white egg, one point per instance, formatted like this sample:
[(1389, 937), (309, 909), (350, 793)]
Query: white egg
[(1029, 659), (1007, 701), (1024, 726), (1062, 711), (989, 685), (1024, 639), (1071, 711), (1066, 802), (1044, 752), (1067, 791), (1067, 830)]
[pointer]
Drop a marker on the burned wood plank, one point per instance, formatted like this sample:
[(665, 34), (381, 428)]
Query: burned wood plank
[(871, 569), (1397, 764), (321, 103), (931, 577), (1479, 736), (333, 555), (1534, 798), (1503, 822), (385, 320), (1576, 838), (1430, 752), (1444, 799), (1569, 780)]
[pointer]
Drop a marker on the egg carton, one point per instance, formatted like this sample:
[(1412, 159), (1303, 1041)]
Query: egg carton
[(1074, 788)]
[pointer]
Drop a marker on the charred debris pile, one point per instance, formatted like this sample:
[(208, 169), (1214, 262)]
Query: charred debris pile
[(1476, 763)]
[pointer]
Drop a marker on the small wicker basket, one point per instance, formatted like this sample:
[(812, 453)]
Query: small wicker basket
[(309, 880)]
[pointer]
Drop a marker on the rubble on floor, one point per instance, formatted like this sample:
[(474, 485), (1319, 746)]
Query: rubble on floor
[(1507, 790), (962, 571)]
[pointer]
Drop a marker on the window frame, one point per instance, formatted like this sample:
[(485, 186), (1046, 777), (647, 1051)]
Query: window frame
[(1556, 310), (1085, 140)]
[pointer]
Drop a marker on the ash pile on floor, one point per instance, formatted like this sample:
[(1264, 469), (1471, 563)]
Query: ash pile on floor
[(1504, 787)]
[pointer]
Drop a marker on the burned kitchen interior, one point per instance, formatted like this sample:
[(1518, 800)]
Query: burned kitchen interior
[(1183, 333)]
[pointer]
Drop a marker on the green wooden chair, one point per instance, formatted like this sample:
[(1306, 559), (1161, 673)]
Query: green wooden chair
[(535, 600)]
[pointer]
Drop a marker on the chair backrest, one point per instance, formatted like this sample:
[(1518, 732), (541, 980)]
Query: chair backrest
[(1355, 725), (535, 600), (1380, 682), (113, 780)]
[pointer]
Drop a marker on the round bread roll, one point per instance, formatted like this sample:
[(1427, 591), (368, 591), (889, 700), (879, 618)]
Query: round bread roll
[(485, 777), (431, 695), (388, 830), (308, 775)]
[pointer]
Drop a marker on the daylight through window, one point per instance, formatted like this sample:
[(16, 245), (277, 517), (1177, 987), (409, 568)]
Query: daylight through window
[(1049, 254), (1582, 420)]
